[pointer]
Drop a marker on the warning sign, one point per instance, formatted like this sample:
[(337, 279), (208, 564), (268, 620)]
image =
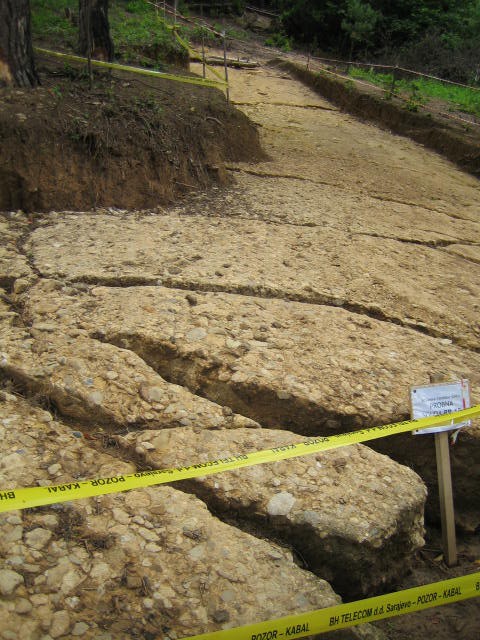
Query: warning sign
[(437, 399)]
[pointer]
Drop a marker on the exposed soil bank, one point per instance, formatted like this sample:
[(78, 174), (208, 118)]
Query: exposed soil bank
[(454, 143), (124, 143)]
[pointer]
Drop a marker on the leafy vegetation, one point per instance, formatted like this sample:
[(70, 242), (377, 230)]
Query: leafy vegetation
[(50, 20), (432, 36), (420, 90), (138, 32)]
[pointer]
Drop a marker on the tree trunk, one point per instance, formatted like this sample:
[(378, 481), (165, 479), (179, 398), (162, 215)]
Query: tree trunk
[(94, 29), (17, 66)]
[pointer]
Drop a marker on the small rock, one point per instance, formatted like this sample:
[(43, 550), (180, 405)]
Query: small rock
[(80, 628), (281, 504), (96, 397), (38, 538), (23, 606), (196, 334), (152, 394), (220, 615), (54, 468), (60, 624), (45, 326), (148, 446), (9, 581)]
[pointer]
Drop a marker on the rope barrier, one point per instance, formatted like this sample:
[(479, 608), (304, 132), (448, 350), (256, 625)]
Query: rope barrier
[(406, 100)]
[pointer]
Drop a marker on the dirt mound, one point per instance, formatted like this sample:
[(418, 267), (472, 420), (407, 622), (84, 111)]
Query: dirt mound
[(124, 143)]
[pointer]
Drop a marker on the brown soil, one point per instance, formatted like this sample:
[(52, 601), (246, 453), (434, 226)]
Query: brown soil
[(459, 620), (125, 143)]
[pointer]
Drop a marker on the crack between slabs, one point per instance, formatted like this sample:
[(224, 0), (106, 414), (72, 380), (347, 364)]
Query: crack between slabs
[(432, 244), (287, 176), (285, 104), (268, 293)]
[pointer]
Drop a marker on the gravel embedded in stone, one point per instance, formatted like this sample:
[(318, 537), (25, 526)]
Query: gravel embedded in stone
[(312, 502)]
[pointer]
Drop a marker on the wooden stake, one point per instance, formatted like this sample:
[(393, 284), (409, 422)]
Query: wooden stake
[(447, 512), (225, 63), (445, 492)]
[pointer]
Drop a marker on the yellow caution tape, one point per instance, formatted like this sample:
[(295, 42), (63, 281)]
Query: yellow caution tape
[(37, 496), (145, 72), (354, 613)]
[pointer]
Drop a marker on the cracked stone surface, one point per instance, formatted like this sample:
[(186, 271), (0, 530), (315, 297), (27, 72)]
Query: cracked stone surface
[(291, 351), (317, 265), (102, 385), (137, 562), (351, 505), (333, 148), (283, 364), (334, 207), (13, 264)]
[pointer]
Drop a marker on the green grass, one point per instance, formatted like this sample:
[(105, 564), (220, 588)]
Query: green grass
[(139, 36), (49, 22), (420, 90)]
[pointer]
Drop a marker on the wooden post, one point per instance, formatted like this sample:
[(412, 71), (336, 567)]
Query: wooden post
[(89, 44), (225, 64), (444, 478), (394, 80), (203, 54), (447, 513)]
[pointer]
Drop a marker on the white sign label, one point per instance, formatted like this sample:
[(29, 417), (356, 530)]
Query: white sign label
[(437, 399)]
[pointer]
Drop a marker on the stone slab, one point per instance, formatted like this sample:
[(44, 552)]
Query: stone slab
[(402, 283), (350, 507), (131, 563), (101, 385), (311, 369), (292, 201)]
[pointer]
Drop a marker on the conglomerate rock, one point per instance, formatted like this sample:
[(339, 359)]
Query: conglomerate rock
[(152, 562), (253, 197), (350, 507), (311, 369), (316, 265), (100, 384), (13, 264), (284, 362)]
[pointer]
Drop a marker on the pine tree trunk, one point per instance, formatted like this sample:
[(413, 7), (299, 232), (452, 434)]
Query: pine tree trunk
[(94, 29), (17, 66)]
